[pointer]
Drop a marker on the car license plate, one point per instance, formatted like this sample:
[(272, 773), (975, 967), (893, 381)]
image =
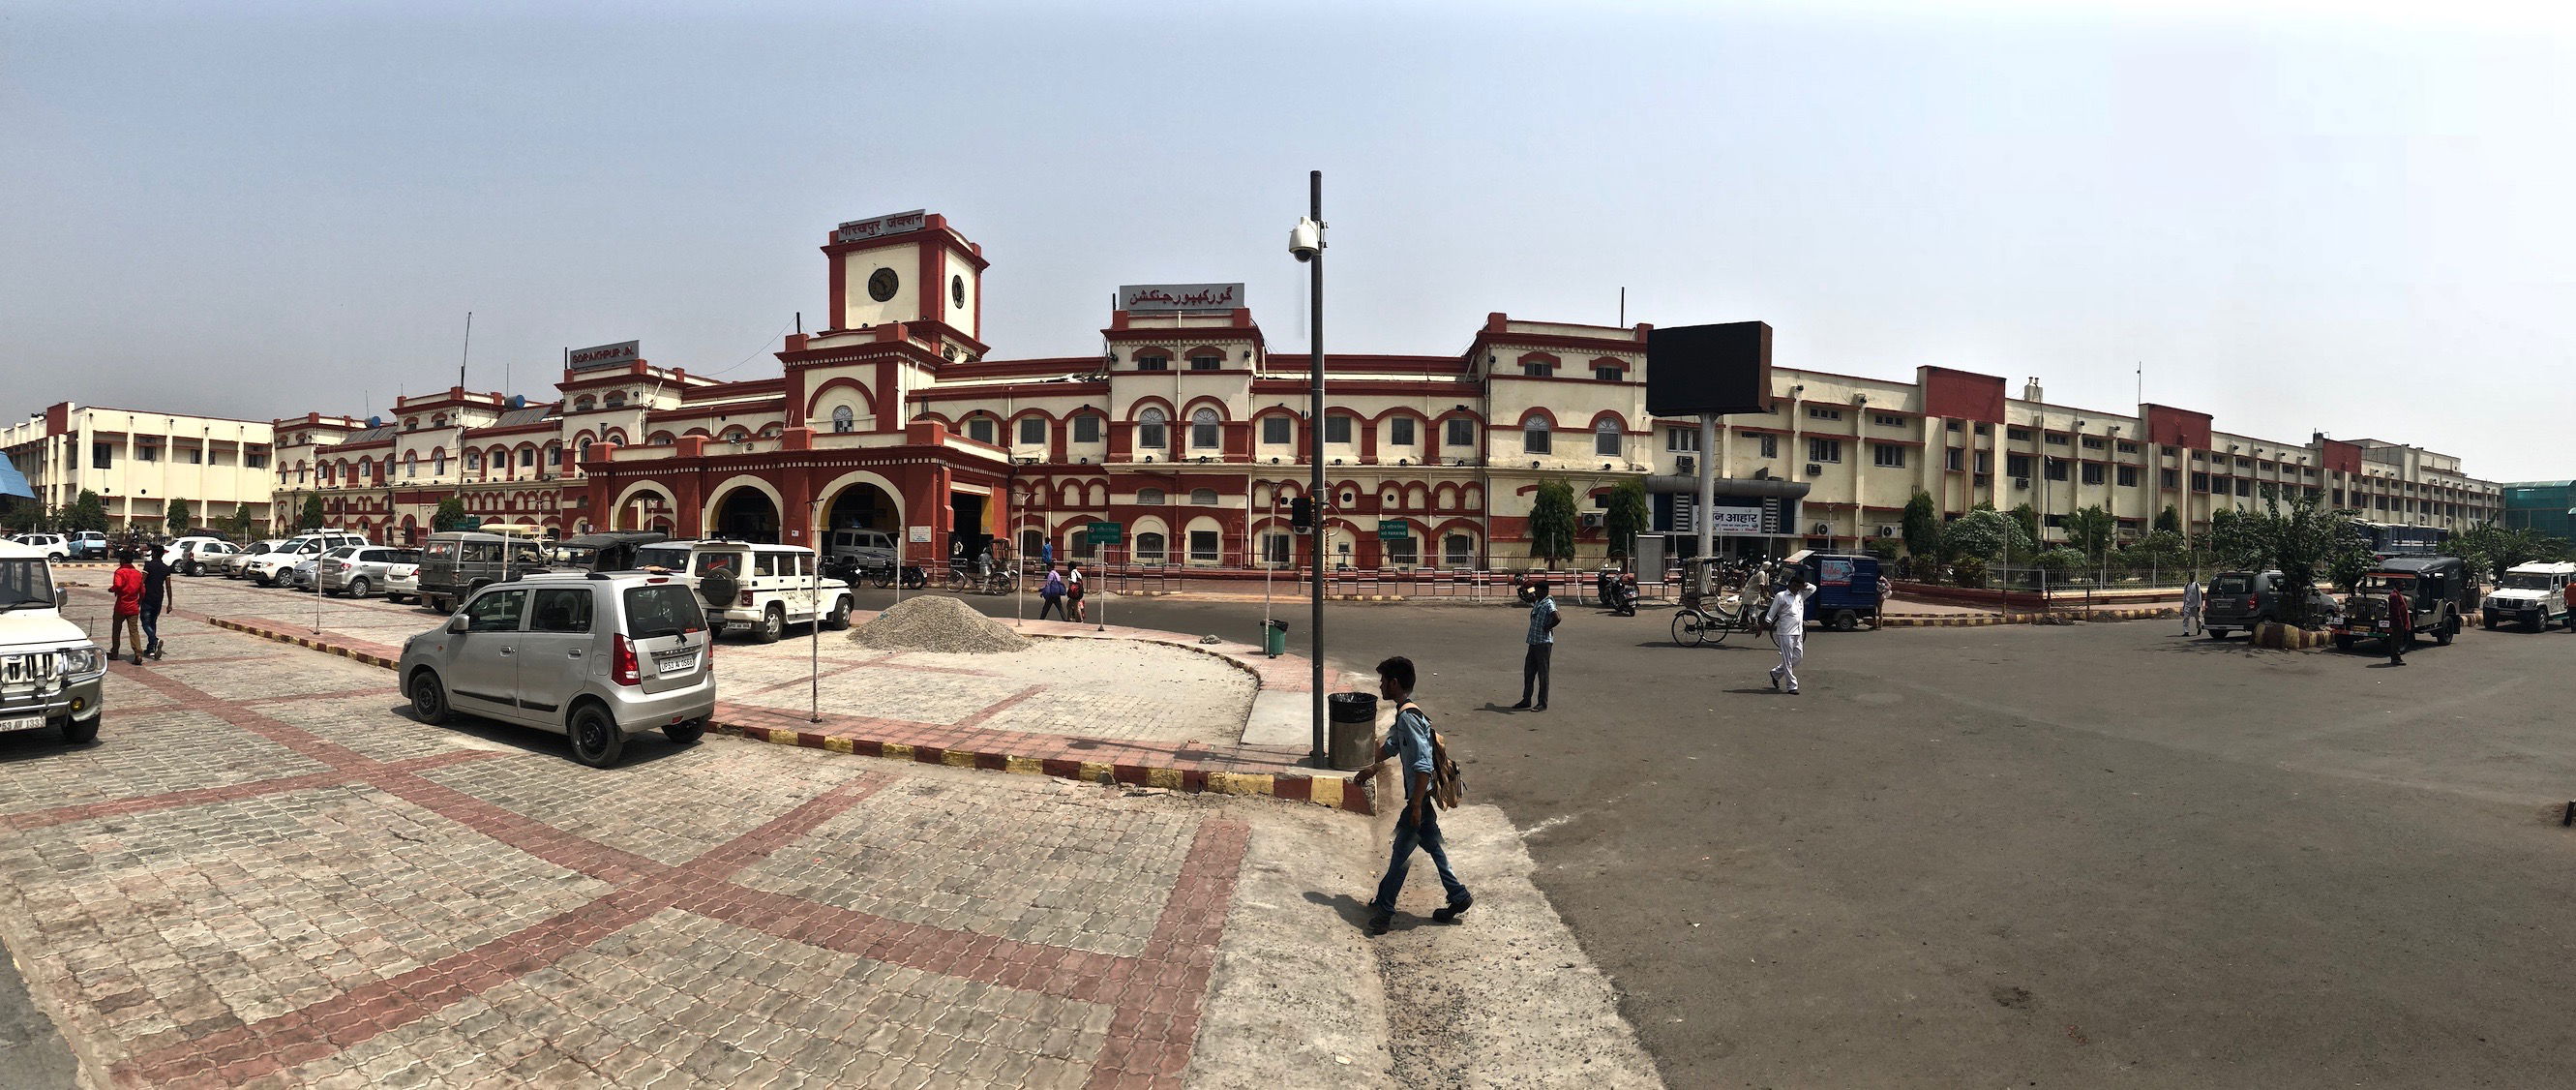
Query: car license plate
[(675, 662), (24, 722)]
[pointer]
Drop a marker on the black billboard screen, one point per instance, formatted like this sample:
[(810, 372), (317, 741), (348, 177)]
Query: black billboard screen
[(1696, 369)]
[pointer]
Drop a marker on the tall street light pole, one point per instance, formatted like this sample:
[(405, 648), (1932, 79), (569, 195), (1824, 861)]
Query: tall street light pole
[(1306, 243)]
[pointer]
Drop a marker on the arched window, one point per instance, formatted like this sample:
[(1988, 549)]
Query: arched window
[(1149, 430), (1203, 497), (1149, 548), (616, 398), (582, 452), (736, 434), (615, 435), (411, 423), (438, 462), (527, 457), (662, 439), (1534, 437), (473, 461), (1205, 431), (583, 403), (554, 455), (979, 428), (1149, 495), (843, 420), (1086, 428), (1606, 439), (1458, 551)]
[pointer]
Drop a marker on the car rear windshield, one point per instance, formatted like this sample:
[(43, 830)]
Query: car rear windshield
[(662, 609), (2232, 583), (671, 557)]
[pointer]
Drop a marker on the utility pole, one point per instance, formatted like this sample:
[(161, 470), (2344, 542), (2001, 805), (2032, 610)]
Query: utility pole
[(1315, 446)]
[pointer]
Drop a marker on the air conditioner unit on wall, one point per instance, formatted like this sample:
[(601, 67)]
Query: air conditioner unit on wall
[(1823, 529), (1591, 520), (1815, 470), (2022, 483), (1887, 531), (1685, 464)]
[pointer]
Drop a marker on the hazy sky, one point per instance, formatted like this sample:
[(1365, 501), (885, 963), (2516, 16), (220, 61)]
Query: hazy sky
[(2318, 215)]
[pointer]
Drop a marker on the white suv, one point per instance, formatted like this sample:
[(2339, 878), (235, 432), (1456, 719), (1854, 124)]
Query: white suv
[(763, 588), (50, 673), (276, 567)]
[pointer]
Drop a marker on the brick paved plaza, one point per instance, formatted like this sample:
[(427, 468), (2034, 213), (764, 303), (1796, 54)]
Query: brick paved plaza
[(263, 875)]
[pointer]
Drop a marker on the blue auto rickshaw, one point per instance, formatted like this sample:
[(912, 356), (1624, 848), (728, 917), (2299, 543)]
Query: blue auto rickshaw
[(1848, 588)]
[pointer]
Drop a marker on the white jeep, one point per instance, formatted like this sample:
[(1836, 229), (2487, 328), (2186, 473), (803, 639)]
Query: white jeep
[(2532, 594), (763, 588), (50, 671)]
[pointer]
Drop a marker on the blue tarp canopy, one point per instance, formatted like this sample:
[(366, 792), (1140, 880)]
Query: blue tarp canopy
[(13, 483)]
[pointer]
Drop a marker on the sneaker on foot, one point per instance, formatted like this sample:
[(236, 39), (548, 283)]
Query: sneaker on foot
[(1380, 922), (1454, 910)]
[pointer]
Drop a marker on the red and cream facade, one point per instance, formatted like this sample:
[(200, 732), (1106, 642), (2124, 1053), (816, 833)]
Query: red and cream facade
[(1187, 432)]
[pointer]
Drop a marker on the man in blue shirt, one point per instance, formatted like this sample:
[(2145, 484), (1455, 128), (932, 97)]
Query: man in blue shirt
[(1419, 825), (1542, 646)]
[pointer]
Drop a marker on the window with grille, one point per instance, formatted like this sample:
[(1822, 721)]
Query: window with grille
[(1824, 450), (1153, 363), (1206, 363), (2128, 476), (1682, 440), (1887, 455), (843, 420), (1955, 458), (1400, 552), (1086, 428), (1399, 431), (1278, 430), (1149, 430), (1610, 374), (1607, 439), (1461, 432), (2017, 465), (1203, 546), (1337, 428), (1274, 549), (1887, 420), (1032, 430), (2017, 435), (1534, 369), (1149, 548), (2092, 472), (1206, 432), (2056, 468), (1534, 437), (1770, 445), (979, 428), (1820, 412), (1458, 551)]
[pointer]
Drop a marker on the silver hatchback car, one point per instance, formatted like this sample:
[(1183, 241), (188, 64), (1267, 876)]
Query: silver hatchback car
[(597, 656)]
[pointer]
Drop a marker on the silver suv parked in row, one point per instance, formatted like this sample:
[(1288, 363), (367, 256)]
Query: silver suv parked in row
[(364, 571), (597, 656)]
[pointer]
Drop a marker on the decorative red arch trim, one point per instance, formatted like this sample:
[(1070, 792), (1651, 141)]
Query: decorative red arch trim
[(1548, 358), (1138, 408), (1223, 414), (1208, 350), (1538, 411), (1599, 362), (1611, 415), (814, 399)]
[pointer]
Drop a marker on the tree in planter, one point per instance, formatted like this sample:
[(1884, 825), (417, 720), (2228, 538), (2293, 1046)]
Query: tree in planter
[(313, 515), (2091, 531), (2239, 541), (1922, 529), (2169, 520), (1551, 524), (2305, 537), (178, 519), (450, 516), (1627, 517)]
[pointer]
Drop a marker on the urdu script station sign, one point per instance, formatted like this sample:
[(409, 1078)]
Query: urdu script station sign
[(1170, 298)]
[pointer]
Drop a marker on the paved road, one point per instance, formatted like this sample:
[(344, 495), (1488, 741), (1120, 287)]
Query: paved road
[(2031, 856)]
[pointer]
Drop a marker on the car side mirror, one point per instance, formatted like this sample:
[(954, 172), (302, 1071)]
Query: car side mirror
[(456, 624), (62, 598)]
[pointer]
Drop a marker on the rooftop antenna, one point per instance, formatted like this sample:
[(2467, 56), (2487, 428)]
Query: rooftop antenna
[(469, 350)]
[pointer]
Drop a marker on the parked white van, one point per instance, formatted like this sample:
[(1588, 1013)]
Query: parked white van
[(763, 588), (2532, 594)]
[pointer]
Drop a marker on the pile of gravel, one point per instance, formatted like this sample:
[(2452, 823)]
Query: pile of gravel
[(940, 624)]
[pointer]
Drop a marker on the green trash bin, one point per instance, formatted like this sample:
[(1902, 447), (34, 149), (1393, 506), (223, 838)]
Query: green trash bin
[(1274, 638)]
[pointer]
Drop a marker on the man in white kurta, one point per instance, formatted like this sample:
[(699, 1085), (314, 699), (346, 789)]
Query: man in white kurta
[(1787, 619)]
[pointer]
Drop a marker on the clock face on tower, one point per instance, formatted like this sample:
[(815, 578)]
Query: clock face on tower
[(882, 283)]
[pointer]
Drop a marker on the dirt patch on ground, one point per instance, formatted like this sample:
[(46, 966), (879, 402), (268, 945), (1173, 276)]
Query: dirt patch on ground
[(937, 623)]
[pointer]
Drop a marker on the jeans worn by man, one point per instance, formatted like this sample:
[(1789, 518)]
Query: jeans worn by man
[(1542, 648), (1418, 824)]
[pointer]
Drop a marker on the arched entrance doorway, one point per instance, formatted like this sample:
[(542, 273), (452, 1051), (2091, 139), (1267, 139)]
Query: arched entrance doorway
[(746, 514), (863, 506), (643, 508)]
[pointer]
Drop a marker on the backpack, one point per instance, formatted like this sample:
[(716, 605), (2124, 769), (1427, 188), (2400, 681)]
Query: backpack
[(1054, 587), (1448, 784)]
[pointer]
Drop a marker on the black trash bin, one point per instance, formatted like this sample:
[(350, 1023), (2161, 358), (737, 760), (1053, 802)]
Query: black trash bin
[(1352, 736)]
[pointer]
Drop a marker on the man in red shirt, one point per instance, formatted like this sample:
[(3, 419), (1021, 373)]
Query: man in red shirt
[(128, 587), (2401, 624)]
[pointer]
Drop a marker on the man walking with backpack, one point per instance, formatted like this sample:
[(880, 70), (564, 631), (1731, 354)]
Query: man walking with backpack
[(1424, 766)]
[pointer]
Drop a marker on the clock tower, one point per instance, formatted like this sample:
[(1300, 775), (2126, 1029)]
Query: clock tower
[(914, 269)]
